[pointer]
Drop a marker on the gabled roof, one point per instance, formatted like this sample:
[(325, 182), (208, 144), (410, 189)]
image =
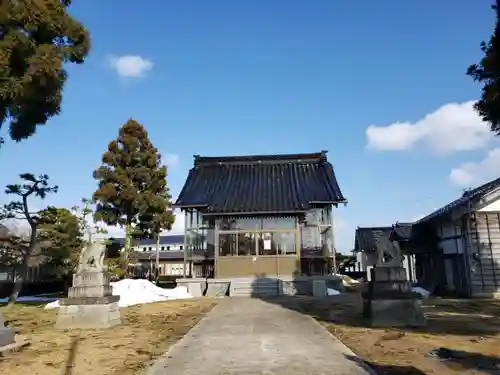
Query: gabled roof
[(464, 199), (373, 239), (260, 184), (401, 232)]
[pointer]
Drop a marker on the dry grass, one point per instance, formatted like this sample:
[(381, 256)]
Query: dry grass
[(147, 332), (470, 326)]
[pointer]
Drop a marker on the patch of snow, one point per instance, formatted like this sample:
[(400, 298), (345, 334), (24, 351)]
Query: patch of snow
[(423, 292), (332, 292), (136, 292)]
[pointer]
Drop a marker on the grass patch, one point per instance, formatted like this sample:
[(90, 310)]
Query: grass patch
[(146, 333), (471, 327)]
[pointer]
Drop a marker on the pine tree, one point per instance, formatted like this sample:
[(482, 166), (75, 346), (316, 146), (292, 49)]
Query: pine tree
[(31, 186), (132, 188), (37, 37), (487, 72)]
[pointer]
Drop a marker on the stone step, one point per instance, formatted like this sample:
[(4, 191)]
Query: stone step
[(255, 287)]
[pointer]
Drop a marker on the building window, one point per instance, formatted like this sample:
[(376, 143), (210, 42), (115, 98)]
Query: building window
[(162, 248), (228, 245), (246, 243), (180, 247), (143, 249), (150, 248), (168, 248), (254, 224)]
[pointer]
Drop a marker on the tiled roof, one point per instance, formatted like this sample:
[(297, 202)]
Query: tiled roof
[(260, 184), (372, 239), (464, 199), (401, 232), (164, 240)]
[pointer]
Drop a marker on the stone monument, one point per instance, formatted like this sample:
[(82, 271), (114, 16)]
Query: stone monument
[(90, 302), (7, 334), (389, 300)]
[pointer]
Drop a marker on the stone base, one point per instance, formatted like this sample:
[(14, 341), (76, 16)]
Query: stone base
[(88, 316), (18, 343), (395, 312), (6, 336)]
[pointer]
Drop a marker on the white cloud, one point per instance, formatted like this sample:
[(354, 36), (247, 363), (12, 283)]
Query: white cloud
[(131, 65), (418, 217), (472, 174), (171, 160), (451, 128)]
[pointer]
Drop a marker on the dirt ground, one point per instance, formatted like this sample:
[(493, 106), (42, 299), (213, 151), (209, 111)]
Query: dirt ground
[(146, 332), (471, 328)]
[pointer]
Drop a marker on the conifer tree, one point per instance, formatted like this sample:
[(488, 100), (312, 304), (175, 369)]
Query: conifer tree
[(36, 39), (132, 188), (487, 72)]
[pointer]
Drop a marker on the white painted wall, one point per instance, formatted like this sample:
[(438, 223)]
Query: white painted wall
[(163, 247), (491, 207)]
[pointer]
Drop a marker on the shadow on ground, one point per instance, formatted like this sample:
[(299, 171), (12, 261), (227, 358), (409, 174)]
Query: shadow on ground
[(386, 369), (469, 317), (462, 335), (71, 359)]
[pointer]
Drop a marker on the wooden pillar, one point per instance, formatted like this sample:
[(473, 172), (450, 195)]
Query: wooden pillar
[(185, 243), (332, 233), (216, 249), (298, 243)]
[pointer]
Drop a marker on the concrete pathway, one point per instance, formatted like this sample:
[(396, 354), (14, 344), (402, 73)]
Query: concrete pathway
[(244, 336)]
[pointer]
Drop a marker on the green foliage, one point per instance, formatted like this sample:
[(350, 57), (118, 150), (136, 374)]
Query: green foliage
[(487, 72), (31, 186), (132, 188), (61, 237), (19, 210), (116, 267), (37, 37)]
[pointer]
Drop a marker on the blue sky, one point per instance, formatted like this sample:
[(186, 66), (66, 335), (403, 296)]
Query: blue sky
[(381, 85)]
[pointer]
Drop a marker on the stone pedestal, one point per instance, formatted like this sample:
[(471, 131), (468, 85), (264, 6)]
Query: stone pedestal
[(6, 334), (389, 300), (90, 303)]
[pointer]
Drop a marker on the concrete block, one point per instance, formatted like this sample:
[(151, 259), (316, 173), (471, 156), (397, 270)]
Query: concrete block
[(195, 289), (90, 278), (218, 289), (6, 334), (88, 316), (319, 288), (90, 291)]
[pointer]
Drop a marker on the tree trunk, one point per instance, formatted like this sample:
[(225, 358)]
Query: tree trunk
[(18, 283), (157, 265), (128, 246)]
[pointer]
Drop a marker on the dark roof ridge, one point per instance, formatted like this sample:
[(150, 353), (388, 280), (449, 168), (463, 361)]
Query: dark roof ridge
[(467, 195), (260, 159), (377, 227)]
